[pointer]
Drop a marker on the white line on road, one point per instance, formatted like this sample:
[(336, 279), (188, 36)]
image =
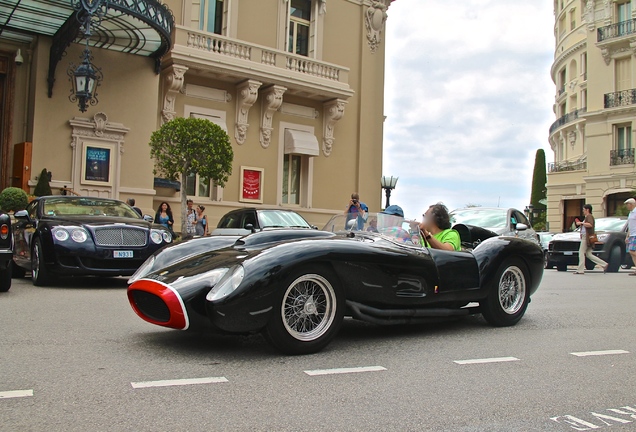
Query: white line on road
[(344, 370), (486, 360), (15, 394), (178, 382), (598, 353)]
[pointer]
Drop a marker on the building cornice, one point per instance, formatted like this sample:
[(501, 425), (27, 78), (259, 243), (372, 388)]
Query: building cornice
[(559, 60)]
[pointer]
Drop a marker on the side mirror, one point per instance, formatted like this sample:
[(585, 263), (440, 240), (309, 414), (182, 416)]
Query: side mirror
[(521, 227), (250, 227), (148, 218), (21, 214)]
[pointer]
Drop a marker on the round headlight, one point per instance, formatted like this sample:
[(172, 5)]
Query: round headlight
[(61, 234), (155, 236), (79, 235), (167, 237)]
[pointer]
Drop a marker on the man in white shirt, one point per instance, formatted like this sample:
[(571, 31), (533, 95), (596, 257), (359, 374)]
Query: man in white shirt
[(630, 241)]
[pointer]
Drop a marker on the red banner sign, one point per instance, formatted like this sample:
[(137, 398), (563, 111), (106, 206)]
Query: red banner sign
[(252, 184)]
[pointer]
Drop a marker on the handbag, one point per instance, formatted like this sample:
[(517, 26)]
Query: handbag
[(592, 239)]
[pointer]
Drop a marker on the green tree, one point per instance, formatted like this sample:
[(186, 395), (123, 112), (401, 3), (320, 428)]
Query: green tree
[(186, 146), (43, 187), (538, 195)]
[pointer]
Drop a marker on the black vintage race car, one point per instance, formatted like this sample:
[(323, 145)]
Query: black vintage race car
[(297, 285), (65, 235), (6, 252)]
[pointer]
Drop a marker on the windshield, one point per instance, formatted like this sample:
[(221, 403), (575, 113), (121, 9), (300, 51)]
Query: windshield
[(390, 226), (65, 206), (609, 224), (484, 218), (280, 219)]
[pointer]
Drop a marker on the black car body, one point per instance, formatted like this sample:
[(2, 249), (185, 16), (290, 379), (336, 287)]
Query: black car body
[(65, 235), (6, 251), (297, 285), (611, 232)]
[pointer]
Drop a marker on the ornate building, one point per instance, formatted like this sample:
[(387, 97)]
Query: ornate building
[(297, 84), (595, 106)]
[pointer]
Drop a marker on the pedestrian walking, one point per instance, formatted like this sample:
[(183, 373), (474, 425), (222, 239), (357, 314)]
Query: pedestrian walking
[(588, 240), (630, 240)]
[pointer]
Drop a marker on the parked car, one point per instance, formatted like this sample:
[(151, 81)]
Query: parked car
[(70, 235), (298, 290), (502, 221), (6, 252), (248, 220), (544, 240), (611, 233)]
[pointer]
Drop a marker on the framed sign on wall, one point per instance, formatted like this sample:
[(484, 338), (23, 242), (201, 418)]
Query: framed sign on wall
[(97, 163), (251, 185)]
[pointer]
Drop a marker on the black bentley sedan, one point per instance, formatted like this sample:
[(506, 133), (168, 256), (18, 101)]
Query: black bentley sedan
[(611, 232), (69, 235)]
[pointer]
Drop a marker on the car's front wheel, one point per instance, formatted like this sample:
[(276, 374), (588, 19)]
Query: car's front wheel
[(509, 294), (5, 279), (614, 260), (39, 272), (309, 312)]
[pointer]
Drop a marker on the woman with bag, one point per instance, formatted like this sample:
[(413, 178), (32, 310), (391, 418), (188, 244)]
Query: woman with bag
[(201, 222), (588, 240)]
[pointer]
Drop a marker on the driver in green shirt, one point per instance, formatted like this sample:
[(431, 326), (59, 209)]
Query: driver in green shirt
[(435, 229)]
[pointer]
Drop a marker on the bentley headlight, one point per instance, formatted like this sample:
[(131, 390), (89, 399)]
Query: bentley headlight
[(227, 284), (60, 234), (79, 235), (143, 270), (155, 236), (602, 237), (167, 237)]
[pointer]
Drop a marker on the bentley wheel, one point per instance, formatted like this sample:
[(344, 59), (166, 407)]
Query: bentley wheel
[(5, 279), (309, 314), (39, 272), (509, 294), (17, 272)]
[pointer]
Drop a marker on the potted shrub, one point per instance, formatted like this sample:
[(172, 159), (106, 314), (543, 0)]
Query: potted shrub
[(13, 199)]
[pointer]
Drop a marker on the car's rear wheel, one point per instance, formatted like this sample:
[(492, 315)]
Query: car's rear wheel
[(39, 272), (17, 272), (562, 267), (508, 295), (614, 260), (5, 279), (309, 313)]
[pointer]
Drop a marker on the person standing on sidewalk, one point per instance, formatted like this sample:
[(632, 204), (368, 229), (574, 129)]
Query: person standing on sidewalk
[(585, 250), (630, 240)]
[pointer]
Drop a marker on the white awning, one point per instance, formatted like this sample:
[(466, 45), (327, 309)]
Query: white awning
[(301, 143), (216, 120)]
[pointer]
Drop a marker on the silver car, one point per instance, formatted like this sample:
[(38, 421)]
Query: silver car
[(502, 221)]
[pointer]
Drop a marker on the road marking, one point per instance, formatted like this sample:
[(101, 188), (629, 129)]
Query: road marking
[(15, 394), (178, 382), (486, 360), (344, 370), (598, 353)]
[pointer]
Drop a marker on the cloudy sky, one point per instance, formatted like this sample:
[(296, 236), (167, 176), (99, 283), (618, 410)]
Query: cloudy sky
[(468, 100)]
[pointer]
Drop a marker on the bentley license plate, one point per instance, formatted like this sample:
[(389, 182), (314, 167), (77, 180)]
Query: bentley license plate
[(122, 254)]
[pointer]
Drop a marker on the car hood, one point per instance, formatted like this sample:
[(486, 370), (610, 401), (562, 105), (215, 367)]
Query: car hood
[(96, 221), (569, 236)]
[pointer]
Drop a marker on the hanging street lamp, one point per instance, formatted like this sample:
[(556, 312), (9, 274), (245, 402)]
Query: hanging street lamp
[(388, 184)]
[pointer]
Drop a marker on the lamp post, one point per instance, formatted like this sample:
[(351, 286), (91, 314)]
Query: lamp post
[(530, 210), (388, 184), (86, 77)]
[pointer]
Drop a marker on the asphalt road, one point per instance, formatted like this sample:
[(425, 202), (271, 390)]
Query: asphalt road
[(83, 361)]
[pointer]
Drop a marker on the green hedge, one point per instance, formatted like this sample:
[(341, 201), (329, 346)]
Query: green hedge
[(13, 199)]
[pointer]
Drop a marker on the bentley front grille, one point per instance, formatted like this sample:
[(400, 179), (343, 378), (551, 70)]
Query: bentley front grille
[(566, 246), (120, 236)]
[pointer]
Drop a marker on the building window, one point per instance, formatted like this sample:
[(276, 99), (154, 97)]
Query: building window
[(572, 19), (201, 187), (583, 99), (624, 18), (623, 69), (292, 165), (584, 66), (210, 15), (561, 27), (562, 81), (623, 137), (299, 26)]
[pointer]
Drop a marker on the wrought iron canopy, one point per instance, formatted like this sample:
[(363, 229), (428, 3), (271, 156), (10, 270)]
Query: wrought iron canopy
[(141, 27)]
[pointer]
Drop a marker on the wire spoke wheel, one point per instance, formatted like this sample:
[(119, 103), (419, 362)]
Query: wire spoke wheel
[(512, 290), (308, 308)]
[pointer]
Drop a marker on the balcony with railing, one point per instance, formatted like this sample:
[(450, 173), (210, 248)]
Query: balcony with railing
[(622, 157), (567, 118), (237, 59), (578, 164), (620, 98), (616, 30)]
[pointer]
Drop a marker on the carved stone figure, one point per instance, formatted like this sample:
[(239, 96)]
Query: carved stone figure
[(374, 19)]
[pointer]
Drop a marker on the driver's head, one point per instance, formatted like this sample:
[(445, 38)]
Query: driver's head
[(437, 217), (392, 216)]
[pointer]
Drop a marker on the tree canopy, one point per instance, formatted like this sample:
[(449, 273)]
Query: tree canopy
[(186, 146), (539, 180)]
